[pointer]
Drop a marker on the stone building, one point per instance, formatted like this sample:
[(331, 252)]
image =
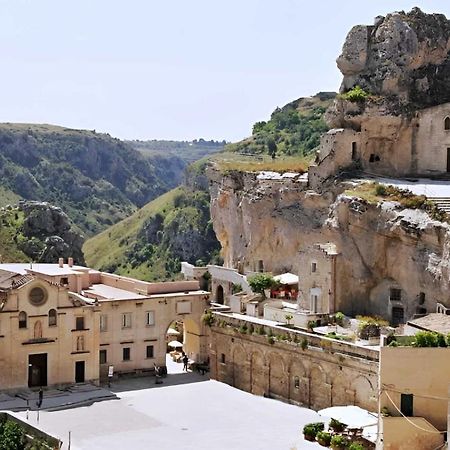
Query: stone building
[(317, 272), (393, 146), (415, 408), (61, 323)]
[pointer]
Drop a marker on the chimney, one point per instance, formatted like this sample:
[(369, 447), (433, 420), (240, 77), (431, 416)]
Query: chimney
[(70, 262), (61, 262)]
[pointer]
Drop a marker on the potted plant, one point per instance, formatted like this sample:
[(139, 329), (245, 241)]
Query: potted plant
[(310, 430), (356, 446), (323, 438), (339, 317), (338, 442), (337, 426)]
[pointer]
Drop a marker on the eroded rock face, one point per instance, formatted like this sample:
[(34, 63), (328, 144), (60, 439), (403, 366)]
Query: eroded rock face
[(400, 56), (380, 245), (50, 234)]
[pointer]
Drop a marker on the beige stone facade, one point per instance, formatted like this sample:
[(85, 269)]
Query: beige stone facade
[(324, 373), (388, 145), (414, 382), (317, 272), (62, 324)]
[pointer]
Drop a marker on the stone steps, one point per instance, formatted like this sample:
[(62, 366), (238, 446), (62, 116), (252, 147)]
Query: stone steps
[(442, 203)]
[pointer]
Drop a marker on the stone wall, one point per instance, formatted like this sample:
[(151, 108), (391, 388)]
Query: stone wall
[(321, 374)]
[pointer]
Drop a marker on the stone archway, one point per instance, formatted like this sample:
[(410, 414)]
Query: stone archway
[(219, 295), (278, 378), (192, 336), (299, 385), (259, 374), (365, 393), (241, 372), (318, 389), (339, 388)]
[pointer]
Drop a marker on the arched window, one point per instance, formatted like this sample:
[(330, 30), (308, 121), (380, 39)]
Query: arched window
[(447, 123), (22, 319), (52, 318)]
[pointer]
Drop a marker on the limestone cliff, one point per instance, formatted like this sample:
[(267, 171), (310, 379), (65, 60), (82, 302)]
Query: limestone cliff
[(403, 54), (380, 244)]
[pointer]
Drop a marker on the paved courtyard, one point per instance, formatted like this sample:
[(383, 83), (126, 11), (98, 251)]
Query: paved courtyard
[(187, 412)]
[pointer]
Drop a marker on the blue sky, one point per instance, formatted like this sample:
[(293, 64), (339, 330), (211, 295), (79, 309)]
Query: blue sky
[(175, 69)]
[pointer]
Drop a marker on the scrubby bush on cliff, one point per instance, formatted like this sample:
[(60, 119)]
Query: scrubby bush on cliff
[(295, 128), (208, 318), (356, 95)]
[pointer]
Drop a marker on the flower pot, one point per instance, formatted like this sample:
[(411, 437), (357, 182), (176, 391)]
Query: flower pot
[(308, 437)]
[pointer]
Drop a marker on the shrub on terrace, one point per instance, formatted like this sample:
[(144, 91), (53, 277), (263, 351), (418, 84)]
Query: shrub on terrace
[(260, 282)]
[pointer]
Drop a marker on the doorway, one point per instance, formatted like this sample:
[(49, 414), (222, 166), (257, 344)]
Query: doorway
[(79, 371), (448, 160), (37, 370), (397, 316), (219, 295)]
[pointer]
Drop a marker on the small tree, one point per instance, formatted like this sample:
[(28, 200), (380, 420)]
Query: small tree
[(272, 147), (260, 282), (288, 318)]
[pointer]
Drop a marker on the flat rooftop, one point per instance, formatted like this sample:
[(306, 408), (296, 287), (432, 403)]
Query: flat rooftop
[(44, 269), (105, 292), (440, 323)]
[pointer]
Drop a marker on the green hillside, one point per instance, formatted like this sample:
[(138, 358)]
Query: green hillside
[(151, 243), (94, 178), (294, 129)]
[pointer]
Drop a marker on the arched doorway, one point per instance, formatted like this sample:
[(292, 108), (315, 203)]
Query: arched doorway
[(219, 295), (183, 336)]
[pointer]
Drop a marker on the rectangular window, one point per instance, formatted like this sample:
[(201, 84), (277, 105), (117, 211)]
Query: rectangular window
[(297, 382), (79, 323), (103, 358), (126, 320), (395, 295), (126, 353), (103, 322), (150, 318), (222, 358), (149, 351), (313, 267)]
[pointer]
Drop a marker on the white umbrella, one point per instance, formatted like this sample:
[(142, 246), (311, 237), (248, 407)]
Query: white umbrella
[(172, 332), (175, 344), (353, 416)]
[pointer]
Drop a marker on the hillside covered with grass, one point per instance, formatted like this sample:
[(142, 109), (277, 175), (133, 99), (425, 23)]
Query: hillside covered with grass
[(96, 179), (294, 129), (151, 243)]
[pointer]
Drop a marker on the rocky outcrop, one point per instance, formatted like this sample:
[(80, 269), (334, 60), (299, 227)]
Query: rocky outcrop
[(399, 55), (402, 60), (379, 244), (46, 234)]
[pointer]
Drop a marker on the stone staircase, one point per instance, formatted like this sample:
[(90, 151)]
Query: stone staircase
[(442, 203)]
